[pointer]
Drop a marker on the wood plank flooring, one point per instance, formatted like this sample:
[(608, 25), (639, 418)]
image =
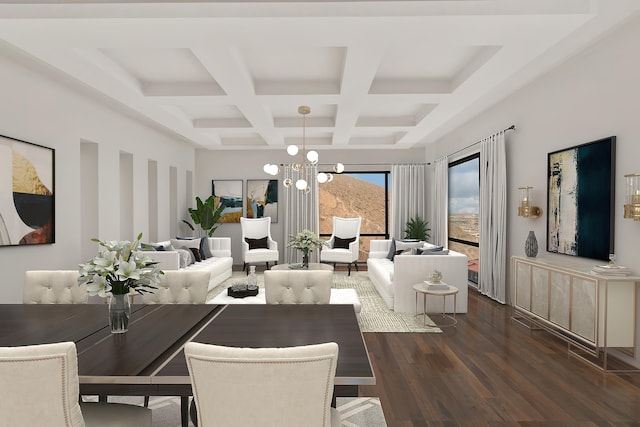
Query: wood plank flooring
[(492, 371)]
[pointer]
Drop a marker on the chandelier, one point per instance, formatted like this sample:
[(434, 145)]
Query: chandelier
[(301, 171)]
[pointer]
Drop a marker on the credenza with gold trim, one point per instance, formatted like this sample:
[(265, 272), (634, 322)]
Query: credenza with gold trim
[(593, 313)]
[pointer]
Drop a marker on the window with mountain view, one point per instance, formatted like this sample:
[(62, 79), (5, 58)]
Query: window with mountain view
[(352, 194), (464, 210)]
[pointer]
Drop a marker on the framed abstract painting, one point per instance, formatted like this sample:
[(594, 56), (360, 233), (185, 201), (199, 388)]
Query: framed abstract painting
[(262, 198), (27, 203), (580, 199), (228, 192)]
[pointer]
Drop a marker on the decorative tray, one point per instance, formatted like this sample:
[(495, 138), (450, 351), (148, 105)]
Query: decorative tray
[(242, 290)]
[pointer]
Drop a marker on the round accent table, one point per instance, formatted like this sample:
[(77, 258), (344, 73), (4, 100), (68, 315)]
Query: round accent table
[(440, 289), (312, 266)]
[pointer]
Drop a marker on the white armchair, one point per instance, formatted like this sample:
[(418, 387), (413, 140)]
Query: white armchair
[(39, 388), (257, 244), (344, 244), (298, 287), (53, 287), (284, 387)]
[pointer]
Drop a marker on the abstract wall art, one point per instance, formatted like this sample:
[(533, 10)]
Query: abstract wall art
[(262, 198), (228, 193), (580, 204), (26, 193)]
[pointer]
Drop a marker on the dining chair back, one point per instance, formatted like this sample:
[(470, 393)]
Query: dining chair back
[(53, 287), (283, 387), (39, 388), (180, 287), (298, 286)]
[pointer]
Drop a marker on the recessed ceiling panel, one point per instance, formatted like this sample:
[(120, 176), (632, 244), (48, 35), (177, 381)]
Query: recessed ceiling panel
[(160, 65), (424, 62), (211, 112)]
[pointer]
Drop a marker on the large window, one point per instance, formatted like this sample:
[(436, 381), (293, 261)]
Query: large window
[(464, 210), (353, 194)]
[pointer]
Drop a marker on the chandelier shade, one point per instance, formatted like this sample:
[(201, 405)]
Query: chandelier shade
[(300, 169)]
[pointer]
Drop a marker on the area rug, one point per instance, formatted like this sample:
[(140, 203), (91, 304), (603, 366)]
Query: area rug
[(374, 316), (354, 411)]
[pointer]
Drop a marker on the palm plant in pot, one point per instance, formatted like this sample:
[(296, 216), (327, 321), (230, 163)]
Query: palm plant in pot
[(206, 215), (417, 228)]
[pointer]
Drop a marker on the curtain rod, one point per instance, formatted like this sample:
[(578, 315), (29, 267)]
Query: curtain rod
[(512, 127)]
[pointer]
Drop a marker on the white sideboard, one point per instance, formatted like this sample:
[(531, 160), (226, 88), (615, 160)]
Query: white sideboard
[(592, 312)]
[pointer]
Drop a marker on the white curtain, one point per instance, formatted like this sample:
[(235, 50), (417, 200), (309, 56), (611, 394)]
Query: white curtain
[(493, 217), (407, 196), (440, 209), (300, 212)]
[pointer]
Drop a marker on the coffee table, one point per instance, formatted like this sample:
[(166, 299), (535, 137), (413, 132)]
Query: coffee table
[(436, 289), (312, 266)]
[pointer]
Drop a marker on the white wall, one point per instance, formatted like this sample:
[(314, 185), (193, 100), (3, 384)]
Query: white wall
[(591, 96), (52, 112), (248, 165)]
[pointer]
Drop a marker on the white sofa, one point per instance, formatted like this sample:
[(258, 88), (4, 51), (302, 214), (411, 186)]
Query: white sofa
[(394, 280), (219, 265)]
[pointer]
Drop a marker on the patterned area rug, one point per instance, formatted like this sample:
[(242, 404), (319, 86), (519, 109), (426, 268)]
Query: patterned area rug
[(354, 411), (374, 316)]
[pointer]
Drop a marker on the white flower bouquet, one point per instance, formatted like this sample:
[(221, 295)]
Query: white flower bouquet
[(119, 269)]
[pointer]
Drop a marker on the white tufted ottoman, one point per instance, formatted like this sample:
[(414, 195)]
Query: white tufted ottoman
[(338, 296)]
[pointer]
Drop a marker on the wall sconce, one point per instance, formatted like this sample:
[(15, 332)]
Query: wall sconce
[(526, 208), (632, 199)]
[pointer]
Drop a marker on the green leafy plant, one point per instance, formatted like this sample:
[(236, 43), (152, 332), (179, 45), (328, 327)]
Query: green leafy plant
[(417, 228), (206, 215)]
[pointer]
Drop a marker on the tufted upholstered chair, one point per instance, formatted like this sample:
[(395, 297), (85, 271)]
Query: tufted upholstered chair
[(39, 388), (283, 387), (344, 244), (258, 228), (298, 286), (180, 287), (53, 287)]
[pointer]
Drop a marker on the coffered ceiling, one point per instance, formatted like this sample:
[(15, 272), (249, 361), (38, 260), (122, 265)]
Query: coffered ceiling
[(376, 74)]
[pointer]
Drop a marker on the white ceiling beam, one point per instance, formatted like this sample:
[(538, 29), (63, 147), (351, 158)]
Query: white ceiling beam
[(228, 69)]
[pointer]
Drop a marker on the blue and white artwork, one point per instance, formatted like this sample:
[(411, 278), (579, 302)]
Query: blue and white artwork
[(581, 200), (229, 194)]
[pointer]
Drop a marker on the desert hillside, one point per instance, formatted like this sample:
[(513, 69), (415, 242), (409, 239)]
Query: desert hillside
[(349, 197)]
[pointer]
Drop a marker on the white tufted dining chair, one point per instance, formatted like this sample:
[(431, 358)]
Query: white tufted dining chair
[(39, 388), (180, 287), (344, 244), (257, 244), (53, 287), (298, 286), (267, 387)]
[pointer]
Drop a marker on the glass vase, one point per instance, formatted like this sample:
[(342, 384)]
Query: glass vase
[(305, 260), (119, 313)]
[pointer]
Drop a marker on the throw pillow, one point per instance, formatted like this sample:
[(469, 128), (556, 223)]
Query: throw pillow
[(204, 246), (339, 243), (196, 254), (147, 247), (257, 243), (185, 243), (185, 257), (392, 250), (432, 251)]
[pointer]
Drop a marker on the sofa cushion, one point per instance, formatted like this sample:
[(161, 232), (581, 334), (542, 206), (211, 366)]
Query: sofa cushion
[(205, 249), (432, 251), (196, 254), (339, 243), (392, 250), (185, 257), (257, 243)]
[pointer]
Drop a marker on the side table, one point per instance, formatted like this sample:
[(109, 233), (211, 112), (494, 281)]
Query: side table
[(436, 289)]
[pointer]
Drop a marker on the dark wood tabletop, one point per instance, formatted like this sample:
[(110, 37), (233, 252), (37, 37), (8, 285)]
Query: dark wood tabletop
[(150, 353)]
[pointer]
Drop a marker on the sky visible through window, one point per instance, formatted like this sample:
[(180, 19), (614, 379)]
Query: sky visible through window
[(373, 178), (464, 188)]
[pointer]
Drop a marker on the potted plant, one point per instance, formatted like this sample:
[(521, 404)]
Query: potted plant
[(417, 228), (206, 215)]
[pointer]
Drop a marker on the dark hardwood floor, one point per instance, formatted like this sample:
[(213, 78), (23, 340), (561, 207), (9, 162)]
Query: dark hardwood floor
[(492, 371)]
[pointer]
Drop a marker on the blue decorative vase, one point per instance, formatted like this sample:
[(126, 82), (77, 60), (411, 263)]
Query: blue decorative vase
[(531, 245)]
